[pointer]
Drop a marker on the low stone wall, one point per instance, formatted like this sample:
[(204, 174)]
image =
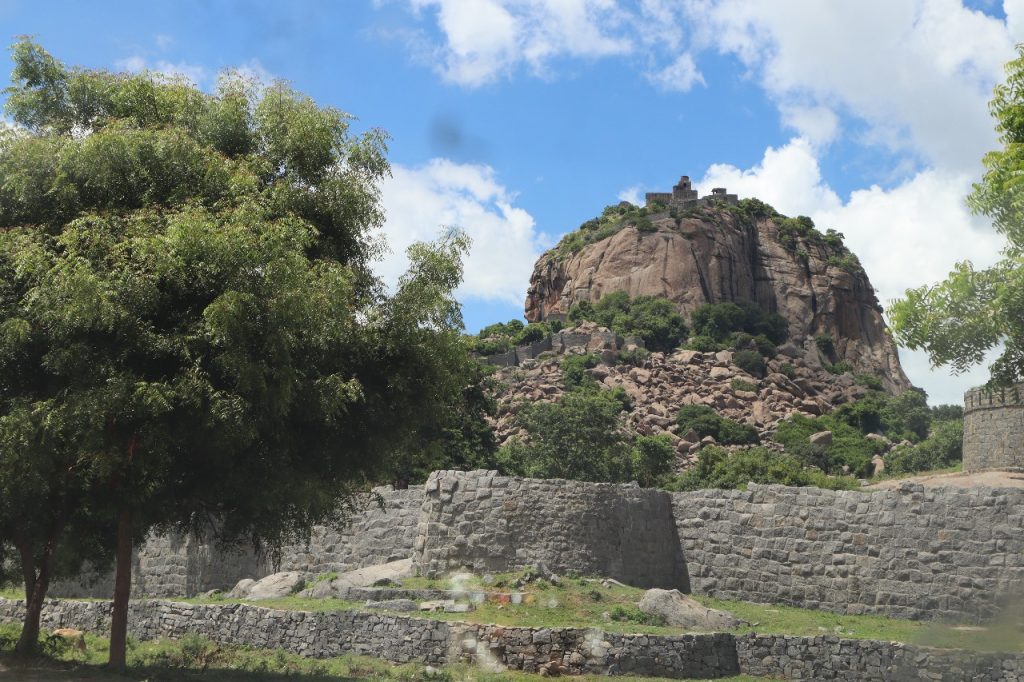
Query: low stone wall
[(402, 639), (496, 523), (940, 553), (832, 658), (994, 429)]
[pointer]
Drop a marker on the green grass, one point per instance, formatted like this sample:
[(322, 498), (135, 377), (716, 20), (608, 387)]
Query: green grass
[(581, 602), (196, 658), (955, 469)]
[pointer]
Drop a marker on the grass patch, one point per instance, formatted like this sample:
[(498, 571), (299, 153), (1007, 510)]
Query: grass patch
[(588, 602)]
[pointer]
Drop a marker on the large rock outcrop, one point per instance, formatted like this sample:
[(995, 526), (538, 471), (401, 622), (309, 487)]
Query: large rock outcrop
[(719, 255)]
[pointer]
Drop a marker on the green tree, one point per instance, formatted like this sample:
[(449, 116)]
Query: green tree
[(189, 327), (974, 311), (581, 436)]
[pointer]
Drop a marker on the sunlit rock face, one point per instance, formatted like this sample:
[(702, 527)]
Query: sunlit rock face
[(717, 254)]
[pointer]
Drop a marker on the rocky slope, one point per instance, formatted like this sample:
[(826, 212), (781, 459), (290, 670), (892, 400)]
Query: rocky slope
[(666, 382), (721, 254)]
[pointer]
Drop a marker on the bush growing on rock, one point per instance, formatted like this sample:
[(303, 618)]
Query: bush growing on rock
[(737, 324), (574, 369), (653, 319), (942, 449), (750, 362), (717, 468), (706, 422)]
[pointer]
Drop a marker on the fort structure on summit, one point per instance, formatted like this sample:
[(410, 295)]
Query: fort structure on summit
[(684, 196)]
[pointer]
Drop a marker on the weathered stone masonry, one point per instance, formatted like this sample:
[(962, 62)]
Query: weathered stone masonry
[(940, 553), (994, 429), (497, 523), (575, 650)]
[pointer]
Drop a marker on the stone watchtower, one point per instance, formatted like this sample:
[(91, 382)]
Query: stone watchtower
[(684, 196), (994, 429)]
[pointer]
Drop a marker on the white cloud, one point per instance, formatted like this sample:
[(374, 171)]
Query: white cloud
[(918, 72), (163, 41), (197, 74), (633, 195), (788, 178), (487, 39), (679, 76), (817, 124), (422, 201), (907, 236)]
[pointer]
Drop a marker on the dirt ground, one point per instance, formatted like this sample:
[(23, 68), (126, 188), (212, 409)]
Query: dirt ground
[(988, 479)]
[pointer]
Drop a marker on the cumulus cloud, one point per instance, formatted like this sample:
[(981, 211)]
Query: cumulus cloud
[(422, 201), (197, 74), (906, 236), (913, 71), (486, 39), (633, 195), (680, 76)]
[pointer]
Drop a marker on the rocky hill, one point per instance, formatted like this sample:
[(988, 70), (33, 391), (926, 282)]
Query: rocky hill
[(666, 382), (724, 252), (694, 254)]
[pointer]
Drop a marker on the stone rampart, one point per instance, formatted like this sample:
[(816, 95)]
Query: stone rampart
[(940, 553), (401, 639), (994, 429), (174, 565), (497, 523)]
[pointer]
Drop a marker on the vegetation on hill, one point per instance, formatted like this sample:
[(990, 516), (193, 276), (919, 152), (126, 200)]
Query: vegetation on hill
[(958, 321), (739, 325), (613, 218), (502, 337), (654, 319)]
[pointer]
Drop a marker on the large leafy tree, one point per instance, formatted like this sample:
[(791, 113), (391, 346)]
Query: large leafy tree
[(974, 311), (189, 328)]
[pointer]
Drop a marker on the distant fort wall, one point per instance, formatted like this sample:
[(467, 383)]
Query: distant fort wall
[(940, 553), (684, 196), (994, 429)]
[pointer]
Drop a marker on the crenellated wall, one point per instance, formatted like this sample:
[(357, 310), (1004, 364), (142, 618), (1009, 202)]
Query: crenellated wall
[(994, 429)]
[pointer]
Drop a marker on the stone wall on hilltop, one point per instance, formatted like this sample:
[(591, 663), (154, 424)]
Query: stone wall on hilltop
[(720, 256)]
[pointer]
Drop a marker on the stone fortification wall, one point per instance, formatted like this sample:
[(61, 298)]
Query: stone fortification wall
[(376, 536), (402, 639), (496, 523), (994, 429), (941, 553), (174, 565)]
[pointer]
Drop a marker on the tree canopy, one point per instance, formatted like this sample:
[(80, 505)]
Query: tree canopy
[(973, 311), (189, 326)]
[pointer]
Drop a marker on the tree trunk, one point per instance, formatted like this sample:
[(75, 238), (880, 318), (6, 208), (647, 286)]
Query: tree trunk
[(122, 591), (35, 593)]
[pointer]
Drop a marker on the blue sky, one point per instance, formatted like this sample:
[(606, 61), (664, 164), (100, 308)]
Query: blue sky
[(519, 119)]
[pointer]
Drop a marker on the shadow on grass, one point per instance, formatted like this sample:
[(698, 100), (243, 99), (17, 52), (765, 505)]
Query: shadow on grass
[(43, 668)]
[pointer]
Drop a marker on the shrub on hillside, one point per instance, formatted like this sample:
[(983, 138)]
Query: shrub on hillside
[(574, 369), (717, 468), (653, 319), (721, 320), (942, 449), (706, 422), (750, 362)]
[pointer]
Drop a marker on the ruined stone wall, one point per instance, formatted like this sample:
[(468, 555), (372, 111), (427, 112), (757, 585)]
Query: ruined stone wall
[(376, 536), (495, 523), (994, 429), (401, 639), (940, 553), (175, 565)]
